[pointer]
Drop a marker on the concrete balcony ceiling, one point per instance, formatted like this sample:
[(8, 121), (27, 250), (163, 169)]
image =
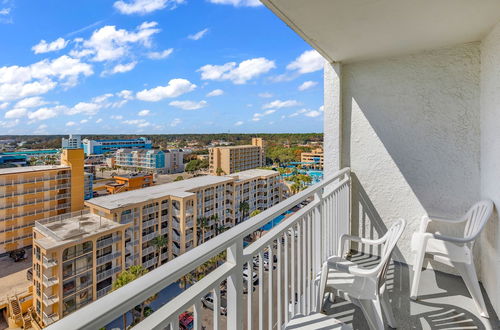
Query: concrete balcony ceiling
[(349, 31)]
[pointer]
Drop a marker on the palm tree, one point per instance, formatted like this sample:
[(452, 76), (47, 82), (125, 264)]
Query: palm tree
[(159, 242), (202, 225), (244, 208), (219, 171), (125, 278)]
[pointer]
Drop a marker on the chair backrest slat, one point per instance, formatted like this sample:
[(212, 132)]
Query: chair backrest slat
[(393, 235), (476, 218)]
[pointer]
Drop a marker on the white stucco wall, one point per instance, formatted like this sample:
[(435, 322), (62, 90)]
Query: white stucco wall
[(411, 136), (490, 161)]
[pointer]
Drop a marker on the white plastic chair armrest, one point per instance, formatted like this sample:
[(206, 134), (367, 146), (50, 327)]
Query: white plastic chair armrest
[(352, 269), (362, 240), (448, 220), (452, 239)]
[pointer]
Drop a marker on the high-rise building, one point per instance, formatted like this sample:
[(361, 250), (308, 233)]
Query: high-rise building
[(77, 257), (98, 147), (313, 159), (227, 160), (32, 193), (73, 142), (167, 161)]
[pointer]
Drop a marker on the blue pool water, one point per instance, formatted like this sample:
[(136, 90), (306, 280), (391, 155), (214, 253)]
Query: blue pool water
[(275, 221)]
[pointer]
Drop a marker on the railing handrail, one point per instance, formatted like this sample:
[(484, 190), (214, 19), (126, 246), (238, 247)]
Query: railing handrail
[(116, 303)]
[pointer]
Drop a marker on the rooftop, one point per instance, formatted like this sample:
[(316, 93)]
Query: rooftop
[(61, 230), (179, 188), (16, 170), (237, 147), (253, 173), (182, 188)]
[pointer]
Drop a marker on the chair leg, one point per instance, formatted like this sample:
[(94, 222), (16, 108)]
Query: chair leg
[(322, 288), (387, 309), (417, 271), (468, 273), (373, 313)]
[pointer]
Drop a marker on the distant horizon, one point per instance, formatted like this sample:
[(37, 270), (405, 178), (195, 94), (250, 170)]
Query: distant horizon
[(144, 134), (170, 67)]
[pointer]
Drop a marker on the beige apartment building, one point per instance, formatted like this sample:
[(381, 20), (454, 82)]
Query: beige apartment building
[(315, 158), (32, 193), (231, 159), (77, 257)]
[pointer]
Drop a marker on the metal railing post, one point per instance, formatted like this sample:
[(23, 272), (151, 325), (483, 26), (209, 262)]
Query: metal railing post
[(235, 287)]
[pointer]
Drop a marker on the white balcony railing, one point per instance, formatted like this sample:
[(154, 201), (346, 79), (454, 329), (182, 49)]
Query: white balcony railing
[(300, 242)]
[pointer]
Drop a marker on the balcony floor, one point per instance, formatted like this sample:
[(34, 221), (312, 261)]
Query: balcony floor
[(444, 302)]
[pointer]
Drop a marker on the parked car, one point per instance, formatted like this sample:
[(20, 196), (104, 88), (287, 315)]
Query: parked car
[(18, 255), (208, 302), (186, 321), (246, 276)]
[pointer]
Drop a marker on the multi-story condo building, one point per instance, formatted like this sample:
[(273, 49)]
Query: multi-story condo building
[(168, 161), (314, 158), (77, 257), (227, 160), (73, 142), (32, 193), (93, 147)]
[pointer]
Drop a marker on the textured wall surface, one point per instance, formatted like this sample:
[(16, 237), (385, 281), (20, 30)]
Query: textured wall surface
[(490, 161), (411, 136)]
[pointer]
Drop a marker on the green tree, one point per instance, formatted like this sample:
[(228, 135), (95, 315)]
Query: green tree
[(179, 178), (255, 212), (201, 227), (159, 242), (219, 171), (244, 208), (124, 278)]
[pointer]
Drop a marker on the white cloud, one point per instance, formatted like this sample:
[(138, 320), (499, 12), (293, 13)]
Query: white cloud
[(98, 121), (313, 113), (198, 35), (16, 113), (5, 11), (144, 6), (278, 104), (238, 3), (126, 94), (239, 123), (188, 105), (160, 55), (30, 102), (9, 123), (102, 98), (307, 84), (215, 92), (4, 105), (237, 73), (308, 61), (143, 113), (70, 123), (108, 43), (265, 95), (258, 115), (40, 77), (45, 113), (175, 122), (84, 121), (296, 113), (85, 108), (41, 129), (117, 117), (121, 68), (44, 47), (174, 88), (137, 122)]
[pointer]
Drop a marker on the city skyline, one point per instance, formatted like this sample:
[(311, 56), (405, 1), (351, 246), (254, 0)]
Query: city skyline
[(161, 67)]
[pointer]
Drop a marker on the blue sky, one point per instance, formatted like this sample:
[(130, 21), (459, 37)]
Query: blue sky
[(154, 66)]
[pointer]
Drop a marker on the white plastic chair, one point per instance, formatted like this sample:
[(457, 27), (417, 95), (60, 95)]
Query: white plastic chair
[(363, 286), (453, 251)]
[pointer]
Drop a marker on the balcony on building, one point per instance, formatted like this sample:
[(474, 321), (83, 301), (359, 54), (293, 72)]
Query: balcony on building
[(411, 128)]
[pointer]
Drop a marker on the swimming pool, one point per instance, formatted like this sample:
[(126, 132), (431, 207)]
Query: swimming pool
[(275, 221)]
